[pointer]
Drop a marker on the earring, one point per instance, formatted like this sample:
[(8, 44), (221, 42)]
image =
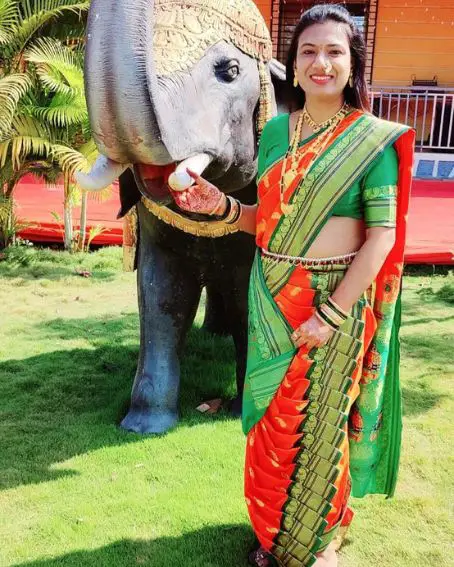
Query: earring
[(295, 82), (350, 80)]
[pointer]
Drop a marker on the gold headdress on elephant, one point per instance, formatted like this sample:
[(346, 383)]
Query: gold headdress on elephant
[(184, 30)]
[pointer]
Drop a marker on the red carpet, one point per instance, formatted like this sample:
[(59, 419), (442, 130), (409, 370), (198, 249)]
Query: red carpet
[(430, 236), (431, 223)]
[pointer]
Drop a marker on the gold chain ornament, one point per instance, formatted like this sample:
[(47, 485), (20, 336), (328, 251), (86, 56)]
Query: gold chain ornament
[(317, 147), (207, 229)]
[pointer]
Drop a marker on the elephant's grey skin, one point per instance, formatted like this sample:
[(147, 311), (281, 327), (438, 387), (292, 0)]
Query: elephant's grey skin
[(173, 267), (141, 118)]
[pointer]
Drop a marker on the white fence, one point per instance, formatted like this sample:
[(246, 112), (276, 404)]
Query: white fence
[(429, 110)]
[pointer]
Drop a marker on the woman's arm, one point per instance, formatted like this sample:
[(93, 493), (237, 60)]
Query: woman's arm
[(358, 278), (365, 267), (247, 221)]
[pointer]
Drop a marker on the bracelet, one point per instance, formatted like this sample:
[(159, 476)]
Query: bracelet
[(238, 212), (235, 211), (331, 314), (219, 203), (321, 318), (226, 213), (330, 301)]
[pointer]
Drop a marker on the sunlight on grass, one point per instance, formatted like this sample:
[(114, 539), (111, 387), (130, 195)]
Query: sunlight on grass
[(75, 490)]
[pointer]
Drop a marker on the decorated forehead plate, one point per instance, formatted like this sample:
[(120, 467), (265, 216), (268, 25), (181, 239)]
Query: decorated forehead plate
[(185, 29)]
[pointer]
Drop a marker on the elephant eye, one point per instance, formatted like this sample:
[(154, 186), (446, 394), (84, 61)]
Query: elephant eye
[(228, 71)]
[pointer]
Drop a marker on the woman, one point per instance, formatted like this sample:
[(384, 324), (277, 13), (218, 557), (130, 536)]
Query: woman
[(322, 401)]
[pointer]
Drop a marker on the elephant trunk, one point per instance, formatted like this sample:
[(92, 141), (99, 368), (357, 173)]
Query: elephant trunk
[(118, 54)]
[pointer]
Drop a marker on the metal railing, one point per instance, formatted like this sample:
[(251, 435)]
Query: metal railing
[(429, 110)]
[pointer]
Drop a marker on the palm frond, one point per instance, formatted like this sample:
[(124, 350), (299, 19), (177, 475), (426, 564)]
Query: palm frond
[(4, 170), (58, 66), (52, 79), (29, 140), (9, 16), (89, 151), (62, 115), (36, 13), (101, 196), (70, 159), (12, 89)]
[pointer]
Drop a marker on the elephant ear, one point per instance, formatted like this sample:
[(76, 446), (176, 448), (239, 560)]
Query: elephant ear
[(129, 192), (278, 74)]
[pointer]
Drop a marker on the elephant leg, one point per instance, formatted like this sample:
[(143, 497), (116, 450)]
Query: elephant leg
[(215, 321), (169, 294)]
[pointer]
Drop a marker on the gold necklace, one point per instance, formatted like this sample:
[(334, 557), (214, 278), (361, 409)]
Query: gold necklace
[(317, 126), (319, 146), (288, 176)]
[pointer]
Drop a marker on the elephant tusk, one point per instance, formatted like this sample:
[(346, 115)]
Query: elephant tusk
[(180, 180), (103, 173)]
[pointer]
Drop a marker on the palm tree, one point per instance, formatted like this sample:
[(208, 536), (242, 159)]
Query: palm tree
[(42, 110), (60, 72)]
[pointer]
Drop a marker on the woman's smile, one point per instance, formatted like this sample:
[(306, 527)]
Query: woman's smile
[(321, 79)]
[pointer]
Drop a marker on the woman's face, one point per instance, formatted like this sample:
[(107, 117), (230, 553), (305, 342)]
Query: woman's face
[(323, 61)]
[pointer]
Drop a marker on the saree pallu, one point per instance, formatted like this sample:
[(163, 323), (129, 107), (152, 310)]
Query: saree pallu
[(324, 423)]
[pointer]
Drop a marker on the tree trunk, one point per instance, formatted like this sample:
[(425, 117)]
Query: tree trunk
[(83, 221), (7, 228), (68, 216)]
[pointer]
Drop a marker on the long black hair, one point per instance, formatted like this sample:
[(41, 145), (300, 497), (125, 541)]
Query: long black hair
[(356, 96)]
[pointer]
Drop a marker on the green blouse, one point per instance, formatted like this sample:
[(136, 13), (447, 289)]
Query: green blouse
[(372, 198)]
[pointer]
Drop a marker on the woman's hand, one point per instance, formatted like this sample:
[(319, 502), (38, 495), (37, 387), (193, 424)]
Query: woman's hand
[(312, 333), (203, 197)]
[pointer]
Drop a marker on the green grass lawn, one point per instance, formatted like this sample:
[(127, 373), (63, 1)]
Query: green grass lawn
[(75, 490)]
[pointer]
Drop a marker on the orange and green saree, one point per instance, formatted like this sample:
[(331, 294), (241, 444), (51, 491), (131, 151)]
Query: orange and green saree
[(324, 423)]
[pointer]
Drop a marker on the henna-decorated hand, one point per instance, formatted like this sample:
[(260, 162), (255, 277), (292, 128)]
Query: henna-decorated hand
[(312, 333), (203, 197)]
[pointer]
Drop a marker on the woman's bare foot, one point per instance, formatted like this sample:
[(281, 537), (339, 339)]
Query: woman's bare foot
[(328, 558)]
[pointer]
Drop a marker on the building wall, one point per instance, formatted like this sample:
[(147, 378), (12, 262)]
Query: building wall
[(414, 39)]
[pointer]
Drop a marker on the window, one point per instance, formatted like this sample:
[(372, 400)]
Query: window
[(290, 13)]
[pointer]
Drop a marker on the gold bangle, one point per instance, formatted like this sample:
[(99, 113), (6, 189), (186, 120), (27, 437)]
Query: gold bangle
[(331, 314), (219, 203), (237, 215), (234, 205), (330, 301)]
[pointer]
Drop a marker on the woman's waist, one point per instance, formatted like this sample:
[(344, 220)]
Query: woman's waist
[(324, 264)]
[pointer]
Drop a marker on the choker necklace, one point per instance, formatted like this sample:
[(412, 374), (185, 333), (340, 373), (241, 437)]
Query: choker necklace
[(316, 147), (317, 126)]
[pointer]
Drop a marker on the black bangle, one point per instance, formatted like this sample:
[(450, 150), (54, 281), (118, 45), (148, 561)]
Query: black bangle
[(336, 309), (226, 213), (237, 214), (327, 320)]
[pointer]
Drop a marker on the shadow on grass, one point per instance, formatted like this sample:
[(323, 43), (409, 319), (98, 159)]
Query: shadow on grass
[(207, 361), (419, 398), (68, 402), (429, 348), (408, 323), (218, 546)]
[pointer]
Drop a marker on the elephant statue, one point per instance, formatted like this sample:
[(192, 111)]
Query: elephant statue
[(173, 84)]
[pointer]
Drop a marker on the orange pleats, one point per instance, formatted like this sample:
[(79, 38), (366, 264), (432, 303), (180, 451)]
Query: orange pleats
[(275, 441)]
